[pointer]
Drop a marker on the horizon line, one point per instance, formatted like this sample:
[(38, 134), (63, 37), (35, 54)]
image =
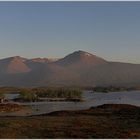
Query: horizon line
[(65, 56)]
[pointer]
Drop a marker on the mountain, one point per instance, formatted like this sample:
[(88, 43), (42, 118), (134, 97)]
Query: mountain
[(13, 65), (80, 58), (43, 60), (76, 69)]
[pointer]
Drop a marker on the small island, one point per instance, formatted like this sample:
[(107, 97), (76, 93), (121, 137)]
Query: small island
[(49, 94)]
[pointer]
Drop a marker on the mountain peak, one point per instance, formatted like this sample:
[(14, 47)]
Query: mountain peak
[(81, 57), (84, 53), (16, 58), (14, 64)]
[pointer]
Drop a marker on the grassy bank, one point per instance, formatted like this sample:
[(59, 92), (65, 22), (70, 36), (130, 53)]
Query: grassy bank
[(9, 107), (107, 121)]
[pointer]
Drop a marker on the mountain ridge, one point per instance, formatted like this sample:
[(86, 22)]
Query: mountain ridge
[(79, 68)]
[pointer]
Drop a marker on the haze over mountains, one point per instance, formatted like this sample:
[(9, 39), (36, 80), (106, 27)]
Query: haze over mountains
[(77, 69)]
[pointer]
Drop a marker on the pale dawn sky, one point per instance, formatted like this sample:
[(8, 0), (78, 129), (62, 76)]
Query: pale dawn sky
[(54, 29)]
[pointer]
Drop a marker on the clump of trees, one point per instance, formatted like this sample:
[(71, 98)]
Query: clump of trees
[(59, 93), (35, 94), (27, 95)]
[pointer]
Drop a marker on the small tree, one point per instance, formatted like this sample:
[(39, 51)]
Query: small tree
[(28, 95)]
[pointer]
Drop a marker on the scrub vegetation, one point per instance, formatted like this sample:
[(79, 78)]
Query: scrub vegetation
[(36, 94), (113, 89)]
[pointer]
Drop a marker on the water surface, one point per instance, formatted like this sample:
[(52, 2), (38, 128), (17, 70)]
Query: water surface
[(91, 99)]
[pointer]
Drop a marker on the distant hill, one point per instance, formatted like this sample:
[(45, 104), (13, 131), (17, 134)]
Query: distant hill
[(77, 69), (13, 65)]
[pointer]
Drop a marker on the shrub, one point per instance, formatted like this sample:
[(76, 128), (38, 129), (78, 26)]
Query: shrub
[(28, 95), (60, 93)]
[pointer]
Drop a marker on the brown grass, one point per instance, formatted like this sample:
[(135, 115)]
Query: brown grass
[(101, 122), (8, 107)]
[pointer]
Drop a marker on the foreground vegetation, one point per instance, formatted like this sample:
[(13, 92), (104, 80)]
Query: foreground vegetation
[(10, 107), (106, 121)]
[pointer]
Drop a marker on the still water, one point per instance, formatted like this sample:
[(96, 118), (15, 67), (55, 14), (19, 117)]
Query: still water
[(90, 99)]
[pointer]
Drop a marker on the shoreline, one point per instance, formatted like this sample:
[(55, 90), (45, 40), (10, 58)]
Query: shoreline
[(103, 106)]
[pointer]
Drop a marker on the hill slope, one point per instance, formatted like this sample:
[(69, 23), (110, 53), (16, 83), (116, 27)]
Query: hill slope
[(77, 69)]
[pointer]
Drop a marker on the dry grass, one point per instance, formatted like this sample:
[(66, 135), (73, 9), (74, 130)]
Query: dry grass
[(8, 107), (101, 122)]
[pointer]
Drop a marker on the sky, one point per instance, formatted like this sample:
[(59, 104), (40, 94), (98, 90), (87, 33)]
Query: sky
[(110, 30)]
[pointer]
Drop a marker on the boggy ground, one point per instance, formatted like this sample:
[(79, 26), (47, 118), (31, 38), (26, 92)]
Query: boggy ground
[(105, 121), (10, 107)]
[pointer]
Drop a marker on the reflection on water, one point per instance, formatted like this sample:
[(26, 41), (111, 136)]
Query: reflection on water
[(11, 96), (91, 99)]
